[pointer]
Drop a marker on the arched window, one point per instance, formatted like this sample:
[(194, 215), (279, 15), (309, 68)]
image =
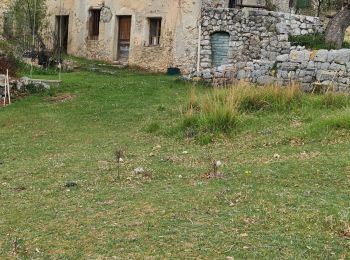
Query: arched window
[(220, 46)]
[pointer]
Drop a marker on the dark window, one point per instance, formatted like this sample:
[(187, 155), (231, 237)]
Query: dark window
[(94, 24), (154, 30), (234, 3)]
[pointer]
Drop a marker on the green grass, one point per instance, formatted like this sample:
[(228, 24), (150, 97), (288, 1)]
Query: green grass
[(284, 192), (313, 41)]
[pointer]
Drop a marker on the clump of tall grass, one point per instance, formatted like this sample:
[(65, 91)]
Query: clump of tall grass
[(221, 110), (214, 112), (271, 98), (333, 100)]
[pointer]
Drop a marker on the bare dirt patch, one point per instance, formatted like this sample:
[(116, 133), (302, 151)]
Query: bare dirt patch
[(61, 98)]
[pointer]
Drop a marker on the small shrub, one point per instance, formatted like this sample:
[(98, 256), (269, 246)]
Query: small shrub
[(313, 41), (153, 127), (161, 108), (34, 89)]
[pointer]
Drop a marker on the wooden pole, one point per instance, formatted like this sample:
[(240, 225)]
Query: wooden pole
[(5, 96), (8, 86)]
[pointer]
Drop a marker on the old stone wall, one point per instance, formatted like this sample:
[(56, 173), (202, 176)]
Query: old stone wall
[(179, 31), (313, 69), (326, 68), (259, 51), (254, 35), (280, 5)]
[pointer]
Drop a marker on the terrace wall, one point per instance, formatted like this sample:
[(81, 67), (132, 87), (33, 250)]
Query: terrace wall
[(259, 50)]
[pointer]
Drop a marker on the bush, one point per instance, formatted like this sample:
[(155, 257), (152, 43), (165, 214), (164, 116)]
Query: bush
[(153, 127), (313, 41)]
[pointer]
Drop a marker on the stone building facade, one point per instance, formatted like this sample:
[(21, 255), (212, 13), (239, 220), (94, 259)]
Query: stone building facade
[(151, 34), (159, 34)]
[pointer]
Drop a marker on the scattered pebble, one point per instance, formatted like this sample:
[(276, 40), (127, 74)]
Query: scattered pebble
[(218, 163), (139, 170), (71, 184), (185, 152), (276, 156), (157, 147)]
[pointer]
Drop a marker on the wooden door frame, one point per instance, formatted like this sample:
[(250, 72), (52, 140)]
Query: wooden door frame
[(62, 20), (116, 35)]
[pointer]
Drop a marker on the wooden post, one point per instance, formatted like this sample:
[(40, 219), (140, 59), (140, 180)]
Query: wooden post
[(8, 86), (5, 96)]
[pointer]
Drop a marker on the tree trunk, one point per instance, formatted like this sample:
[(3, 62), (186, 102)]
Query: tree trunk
[(336, 28)]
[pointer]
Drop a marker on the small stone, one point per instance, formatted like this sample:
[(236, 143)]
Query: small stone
[(282, 58), (71, 184), (276, 156), (185, 152), (139, 170), (218, 163), (157, 147)]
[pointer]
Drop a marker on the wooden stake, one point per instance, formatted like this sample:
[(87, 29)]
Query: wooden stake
[(5, 96), (8, 86)]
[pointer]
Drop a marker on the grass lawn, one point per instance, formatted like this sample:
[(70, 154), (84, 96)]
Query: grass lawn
[(283, 194)]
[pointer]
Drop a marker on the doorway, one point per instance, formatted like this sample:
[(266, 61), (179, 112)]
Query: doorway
[(220, 43), (124, 33), (61, 41)]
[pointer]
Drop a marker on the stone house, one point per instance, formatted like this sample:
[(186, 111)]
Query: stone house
[(151, 34)]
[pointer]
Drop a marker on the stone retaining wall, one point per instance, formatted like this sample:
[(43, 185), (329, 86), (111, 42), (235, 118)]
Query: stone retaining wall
[(259, 50), (255, 34), (321, 68)]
